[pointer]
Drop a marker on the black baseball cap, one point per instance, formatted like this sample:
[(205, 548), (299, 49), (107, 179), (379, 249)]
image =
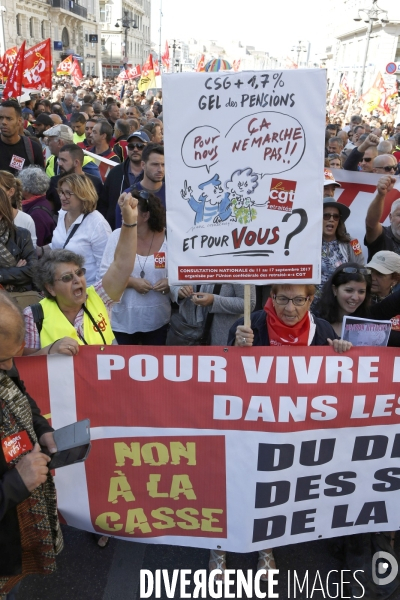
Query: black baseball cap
[(43, 119)]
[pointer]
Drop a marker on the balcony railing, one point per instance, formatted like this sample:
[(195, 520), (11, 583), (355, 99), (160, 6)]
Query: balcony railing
[(71, 6)]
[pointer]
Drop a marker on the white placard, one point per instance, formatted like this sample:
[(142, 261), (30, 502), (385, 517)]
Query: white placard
[(244, 178)]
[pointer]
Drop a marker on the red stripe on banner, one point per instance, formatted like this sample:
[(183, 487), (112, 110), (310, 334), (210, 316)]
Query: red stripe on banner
[(254, 389), (33, 372), (245, 272), (151, 487)]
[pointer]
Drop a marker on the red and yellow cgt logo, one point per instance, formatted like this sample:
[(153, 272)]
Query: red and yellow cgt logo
[(281, 194), (159, 260)]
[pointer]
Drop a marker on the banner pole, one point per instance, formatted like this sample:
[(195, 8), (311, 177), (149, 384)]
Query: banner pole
[(247, 289)]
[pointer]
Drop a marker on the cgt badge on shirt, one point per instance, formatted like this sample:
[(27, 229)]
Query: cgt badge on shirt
[(159, 260), (17, 162), (16, 444)]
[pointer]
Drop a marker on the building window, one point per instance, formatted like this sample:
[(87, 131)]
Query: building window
[(105, 13), (31, 27), (19, 32), (43, 29)]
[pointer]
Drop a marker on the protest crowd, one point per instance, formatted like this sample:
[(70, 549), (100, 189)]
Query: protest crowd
[(82, 232)]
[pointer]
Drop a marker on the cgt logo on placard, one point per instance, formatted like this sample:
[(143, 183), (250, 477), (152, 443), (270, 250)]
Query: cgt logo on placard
[(281, 194)]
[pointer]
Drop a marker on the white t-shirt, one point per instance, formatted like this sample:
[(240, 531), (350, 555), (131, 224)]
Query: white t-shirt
[(89, 240), (137, 312), (26, 221)]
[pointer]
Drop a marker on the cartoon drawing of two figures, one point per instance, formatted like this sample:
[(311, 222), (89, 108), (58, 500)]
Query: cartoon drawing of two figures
[(216, 204)]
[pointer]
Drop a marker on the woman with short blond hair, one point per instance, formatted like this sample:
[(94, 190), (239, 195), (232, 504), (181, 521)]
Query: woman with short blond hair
[(80, 228)]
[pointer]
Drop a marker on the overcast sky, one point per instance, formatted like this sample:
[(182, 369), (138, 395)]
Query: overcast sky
[(253, 22)]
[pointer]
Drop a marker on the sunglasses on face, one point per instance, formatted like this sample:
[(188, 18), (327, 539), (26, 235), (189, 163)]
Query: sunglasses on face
[(333, 155), (329, 216), (69, 276), (135, 145), (367, 160), (389, 168), (362, 271)]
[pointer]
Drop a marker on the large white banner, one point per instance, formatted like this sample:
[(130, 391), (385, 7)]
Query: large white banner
[(241, 449), (357, 192), (242, 175)]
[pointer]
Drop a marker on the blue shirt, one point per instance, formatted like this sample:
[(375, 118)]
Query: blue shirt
[(160, 194)]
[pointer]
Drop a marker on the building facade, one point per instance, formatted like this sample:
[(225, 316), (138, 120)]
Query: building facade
[(65, 21), (125, 33), (346, 51)]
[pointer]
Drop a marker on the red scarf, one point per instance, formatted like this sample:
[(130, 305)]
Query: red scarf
[(31, 199), (283, 335)]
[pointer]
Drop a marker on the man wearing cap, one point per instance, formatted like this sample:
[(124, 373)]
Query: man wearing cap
[(123, 176), (57, 137), (385, 273), (379, 237), (16, 151)]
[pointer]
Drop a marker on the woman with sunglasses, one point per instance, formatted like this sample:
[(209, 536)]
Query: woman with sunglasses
[(144, 312), (285, 321), (337, 245), (72, 314), (80, 227)]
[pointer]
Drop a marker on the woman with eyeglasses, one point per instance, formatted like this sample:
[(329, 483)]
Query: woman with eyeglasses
[(80, 227), (337, 245), (285, 321), (144, 312), (72, 313)]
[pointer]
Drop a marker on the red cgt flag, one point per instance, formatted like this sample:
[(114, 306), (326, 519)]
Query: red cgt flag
[(7, 61), (38, 67), (13, 87), (156, 67), (201, 64), (165, 57), (76, 73)]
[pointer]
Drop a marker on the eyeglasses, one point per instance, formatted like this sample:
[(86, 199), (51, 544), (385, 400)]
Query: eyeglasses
[(69, 276), (362, 271), (367, 160), (329, 216), (297, 301), (67, 194), (135, 145), (388, 168)]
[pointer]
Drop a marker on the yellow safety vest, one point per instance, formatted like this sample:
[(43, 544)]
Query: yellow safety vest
[(50, 172), (56, 325)]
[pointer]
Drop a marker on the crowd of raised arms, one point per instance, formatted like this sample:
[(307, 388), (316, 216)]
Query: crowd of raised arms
[(84, 251)]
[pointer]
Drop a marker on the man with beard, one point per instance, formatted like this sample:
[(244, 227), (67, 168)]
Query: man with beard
[(379, 237), (101, 136), (16, 151), (153, 176), (124, 175), (70, 160)]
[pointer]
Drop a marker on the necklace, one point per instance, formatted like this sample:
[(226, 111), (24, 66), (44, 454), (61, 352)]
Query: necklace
[(143, 272)]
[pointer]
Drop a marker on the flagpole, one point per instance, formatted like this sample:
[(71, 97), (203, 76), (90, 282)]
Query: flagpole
[(159, 44)]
